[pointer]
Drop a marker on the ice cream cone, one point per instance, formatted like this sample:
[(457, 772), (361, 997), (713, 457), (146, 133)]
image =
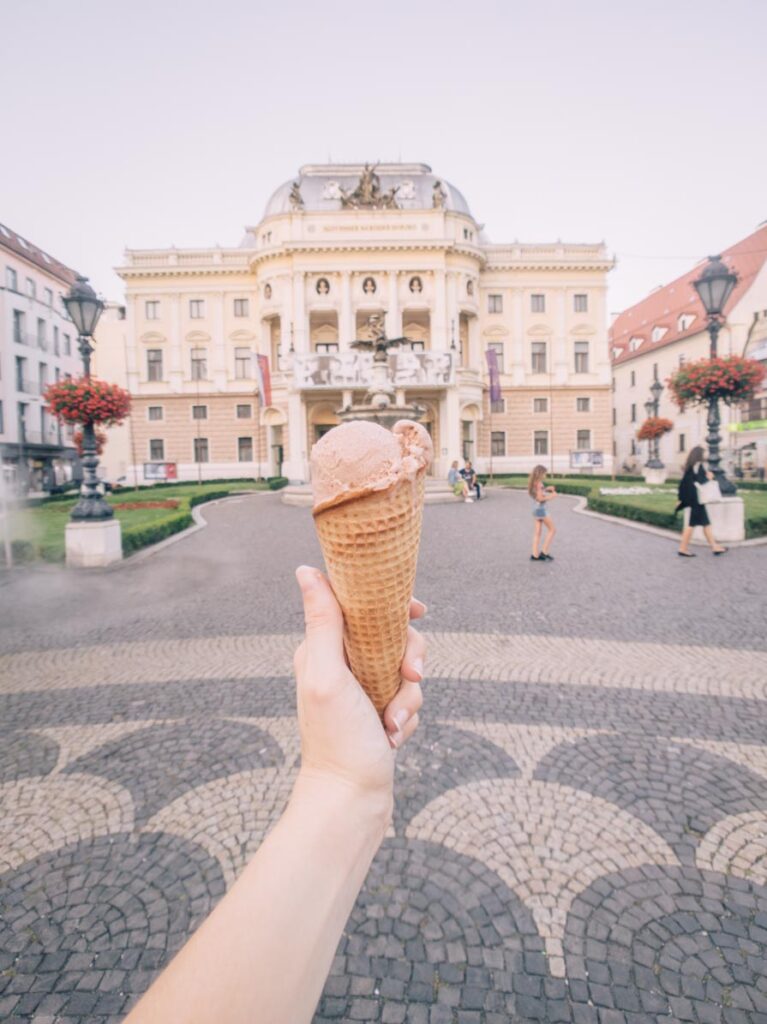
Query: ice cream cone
[(368, 520)]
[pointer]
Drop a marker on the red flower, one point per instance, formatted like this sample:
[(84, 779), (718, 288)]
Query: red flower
[(84, 400), (731, 378), (654, 426)]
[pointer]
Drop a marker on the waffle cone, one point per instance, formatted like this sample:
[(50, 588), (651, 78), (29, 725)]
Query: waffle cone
[(370, 546)]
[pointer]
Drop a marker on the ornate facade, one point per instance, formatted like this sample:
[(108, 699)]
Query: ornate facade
[(336, 246)]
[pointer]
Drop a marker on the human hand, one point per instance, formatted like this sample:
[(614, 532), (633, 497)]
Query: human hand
[(342, 739)]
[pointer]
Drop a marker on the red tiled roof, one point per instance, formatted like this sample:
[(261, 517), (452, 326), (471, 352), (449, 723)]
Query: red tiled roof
[(13, 242), (663, 307)]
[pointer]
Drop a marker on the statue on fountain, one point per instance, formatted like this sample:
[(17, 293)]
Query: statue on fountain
[(377, 343), (379, 403)]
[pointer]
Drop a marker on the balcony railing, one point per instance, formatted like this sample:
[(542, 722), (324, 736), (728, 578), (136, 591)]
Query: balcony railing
[(27, 387), (353, 369)]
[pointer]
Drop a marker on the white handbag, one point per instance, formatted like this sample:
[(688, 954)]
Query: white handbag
[(709, 491)]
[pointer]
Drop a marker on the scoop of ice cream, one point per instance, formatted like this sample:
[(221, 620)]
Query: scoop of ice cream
[(359, 457)]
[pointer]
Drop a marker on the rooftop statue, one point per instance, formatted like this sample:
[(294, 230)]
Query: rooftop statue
[(368, 194), (296, 199), (438, 196)]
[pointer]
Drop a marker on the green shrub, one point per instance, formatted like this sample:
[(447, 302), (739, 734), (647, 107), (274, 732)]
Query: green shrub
[(756, 527), (610, 507), (201, 499), (750, 485), (136, 537), (21, 551), (276, 483)]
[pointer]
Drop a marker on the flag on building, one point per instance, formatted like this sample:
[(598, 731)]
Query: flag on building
[(264, 380), (495, 377)]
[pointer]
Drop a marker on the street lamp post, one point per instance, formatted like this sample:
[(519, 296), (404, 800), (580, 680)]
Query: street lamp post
[(652, 406), (714, 287), (85, 308)]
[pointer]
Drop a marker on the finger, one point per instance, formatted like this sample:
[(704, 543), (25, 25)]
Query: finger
[(402, 707), (417, 608), (324, 621), (400, 738), (415, 653)]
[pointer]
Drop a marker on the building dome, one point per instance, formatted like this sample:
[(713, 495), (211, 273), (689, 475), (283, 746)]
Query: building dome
[(321, 187)]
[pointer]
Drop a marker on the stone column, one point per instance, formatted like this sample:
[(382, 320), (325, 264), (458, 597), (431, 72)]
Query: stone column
[(520, 350), (560, 355), (301, 334), (296, 466), (452, 319), (393, 317), (218, 376), (438, 326), (176, 365), (347, 331), (476, 355)]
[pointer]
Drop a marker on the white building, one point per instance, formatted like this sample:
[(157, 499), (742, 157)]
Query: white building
[(668, 328), (335, 246), (38, 345)]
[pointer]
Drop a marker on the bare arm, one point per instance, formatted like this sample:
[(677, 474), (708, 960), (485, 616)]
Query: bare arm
[(263, 955)]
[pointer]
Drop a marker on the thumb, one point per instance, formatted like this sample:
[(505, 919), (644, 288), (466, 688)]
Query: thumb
[(323, 617)]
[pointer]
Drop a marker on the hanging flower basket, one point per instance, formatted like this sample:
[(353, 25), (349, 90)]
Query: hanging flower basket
[(731, 379), (654, 427), (101, 440), (87, 400)]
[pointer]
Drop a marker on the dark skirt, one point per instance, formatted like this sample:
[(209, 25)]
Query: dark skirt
[(699, 516)]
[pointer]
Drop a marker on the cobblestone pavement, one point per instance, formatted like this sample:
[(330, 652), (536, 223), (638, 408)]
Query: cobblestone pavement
[(581, 823)]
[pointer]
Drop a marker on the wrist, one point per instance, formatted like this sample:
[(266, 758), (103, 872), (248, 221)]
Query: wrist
[(342, 803)]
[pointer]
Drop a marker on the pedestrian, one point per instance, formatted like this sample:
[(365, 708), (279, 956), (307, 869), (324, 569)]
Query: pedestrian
[(471, 478), (541, 494), (695, 473), (457, 482)]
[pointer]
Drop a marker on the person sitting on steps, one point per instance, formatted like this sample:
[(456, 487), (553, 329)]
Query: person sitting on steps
[(459, 485), (471, 479)]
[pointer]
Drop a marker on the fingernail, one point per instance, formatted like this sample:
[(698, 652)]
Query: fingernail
[(392, 740), (421, 605), (401, 717), (418, 667), (307, 577)]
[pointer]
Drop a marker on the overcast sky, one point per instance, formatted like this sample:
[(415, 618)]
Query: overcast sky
[(149, 123)]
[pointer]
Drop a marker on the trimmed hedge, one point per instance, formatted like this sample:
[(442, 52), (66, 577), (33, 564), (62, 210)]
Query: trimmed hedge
[(610, 507), (276, 483), (136, 537)]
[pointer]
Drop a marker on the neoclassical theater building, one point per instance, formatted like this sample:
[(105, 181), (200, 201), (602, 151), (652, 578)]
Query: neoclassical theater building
[(337, 245)]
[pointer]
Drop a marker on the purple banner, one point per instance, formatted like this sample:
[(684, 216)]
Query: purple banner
[(495, 377)]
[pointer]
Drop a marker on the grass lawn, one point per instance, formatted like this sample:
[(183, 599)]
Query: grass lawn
[(42, 527)]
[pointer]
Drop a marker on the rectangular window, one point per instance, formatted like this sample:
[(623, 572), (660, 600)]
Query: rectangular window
[(199, 412), (2, 420), (196, 311), (201, 449), (540, 405), (326, 348), (495, 303), (499, 406), (633, 378), (633, 446), (11, 279), (154, 364), (581, 303), (152, 309), (67, 345), (583, 440), (199, 364), (497, 347), (48, 297), (633, 412), (538, 303), (244, 449), (242, 368), (31, 288), (681, 359), (241, 307), (21, 372), (42, 341), (583, 405), (498, 442), (681, 443), (43, 373), (541, 442), (157, 450), (581, 357), (55, 340), (615, 416), (539, 357), (244, 412), (18, 326), (154, 412)]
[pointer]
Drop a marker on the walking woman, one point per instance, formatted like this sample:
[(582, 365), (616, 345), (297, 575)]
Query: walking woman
[(695, 473), (541, 495)]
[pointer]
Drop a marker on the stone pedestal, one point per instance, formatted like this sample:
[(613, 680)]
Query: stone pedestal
[(728, 520), (655, 475), (93, 545)]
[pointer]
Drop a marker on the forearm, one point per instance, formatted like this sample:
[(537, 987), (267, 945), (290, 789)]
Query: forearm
[(264, 954)]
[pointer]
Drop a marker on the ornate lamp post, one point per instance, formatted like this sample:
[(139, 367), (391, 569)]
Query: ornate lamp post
[(651, 408), (85, 308), (714, 287)]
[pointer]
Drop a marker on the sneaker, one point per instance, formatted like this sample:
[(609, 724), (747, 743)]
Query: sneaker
[(546, 558), (469, 501), (535, 558)]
